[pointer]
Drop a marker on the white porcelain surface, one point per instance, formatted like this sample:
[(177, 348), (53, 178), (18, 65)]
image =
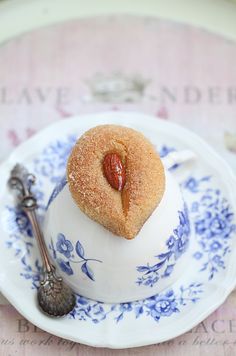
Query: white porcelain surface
[(116, 275), (208, 186)]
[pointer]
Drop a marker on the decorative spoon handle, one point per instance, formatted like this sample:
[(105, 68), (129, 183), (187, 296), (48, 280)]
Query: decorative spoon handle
[(21, 180), (54, 296)]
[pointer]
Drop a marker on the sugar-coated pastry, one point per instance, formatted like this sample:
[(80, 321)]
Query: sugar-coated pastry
[(116, 177)]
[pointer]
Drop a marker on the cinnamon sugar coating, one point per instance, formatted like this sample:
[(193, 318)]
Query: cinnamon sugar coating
[(123, 213)]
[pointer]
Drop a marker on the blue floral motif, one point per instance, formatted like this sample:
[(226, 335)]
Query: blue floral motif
[(87, 309), (176, 244), (156, 307), (214, 226), (197, 255), (164, 151), (194, 185), (58, 188), (30, 273), (65, 266), (52, 161), (21, 241), (65, 247), (17, 222), (162, 305)]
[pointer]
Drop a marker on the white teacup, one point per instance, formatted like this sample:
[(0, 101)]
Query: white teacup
[(104, 267)]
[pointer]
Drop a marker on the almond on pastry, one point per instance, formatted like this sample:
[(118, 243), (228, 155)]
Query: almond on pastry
[(116, 177)]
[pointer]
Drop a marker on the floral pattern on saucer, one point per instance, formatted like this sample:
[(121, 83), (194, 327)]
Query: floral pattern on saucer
[(213, 225), (156, 307), (51, 162), (213, 222), (208, 209)]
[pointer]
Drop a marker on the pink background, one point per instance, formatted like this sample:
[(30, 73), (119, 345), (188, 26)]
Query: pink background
[(178, 72), (175, 72)]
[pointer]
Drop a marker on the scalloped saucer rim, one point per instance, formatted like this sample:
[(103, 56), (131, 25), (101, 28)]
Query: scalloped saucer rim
[(94, 334)]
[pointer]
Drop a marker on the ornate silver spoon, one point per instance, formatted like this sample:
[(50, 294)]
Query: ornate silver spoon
[(54, 297)]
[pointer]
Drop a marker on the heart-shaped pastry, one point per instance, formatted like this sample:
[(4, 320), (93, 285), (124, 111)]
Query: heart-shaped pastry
[(116, 177)]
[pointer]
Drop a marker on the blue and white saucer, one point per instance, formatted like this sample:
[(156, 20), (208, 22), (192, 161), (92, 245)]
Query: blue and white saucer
[(208, 185)]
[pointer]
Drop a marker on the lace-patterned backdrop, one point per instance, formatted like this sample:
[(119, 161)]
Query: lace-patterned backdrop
[(173, 71)]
